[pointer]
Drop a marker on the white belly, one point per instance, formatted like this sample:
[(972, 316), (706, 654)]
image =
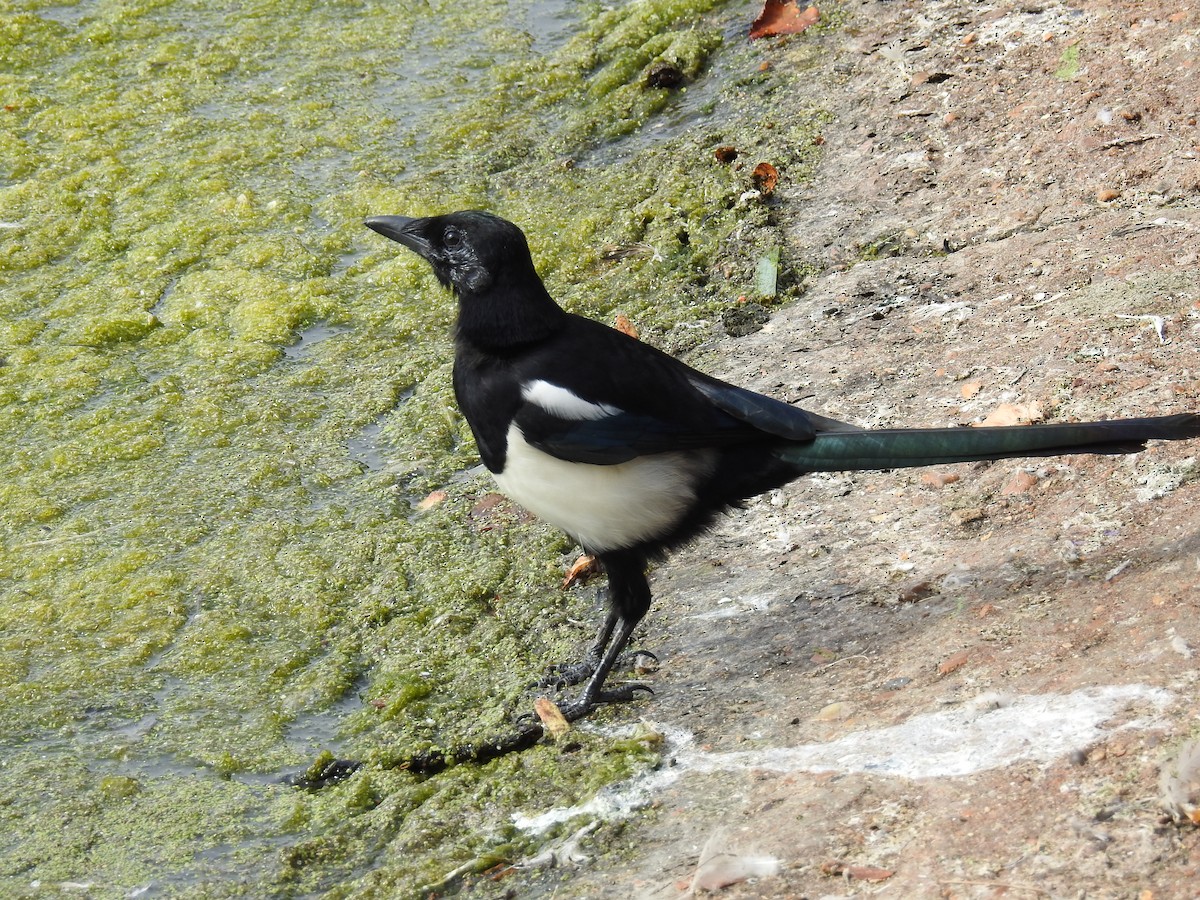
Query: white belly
[(603, 507)]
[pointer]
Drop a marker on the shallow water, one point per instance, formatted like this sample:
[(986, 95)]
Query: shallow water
[(221, 397)]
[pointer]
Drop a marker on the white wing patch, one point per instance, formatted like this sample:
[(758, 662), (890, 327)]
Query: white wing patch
[(561, 402)]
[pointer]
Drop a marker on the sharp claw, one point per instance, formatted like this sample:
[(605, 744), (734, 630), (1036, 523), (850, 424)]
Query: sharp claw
[(624, 693)]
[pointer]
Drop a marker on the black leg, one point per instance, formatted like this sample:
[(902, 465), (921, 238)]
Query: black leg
[(565, 675), (629, 599), (596, 652)]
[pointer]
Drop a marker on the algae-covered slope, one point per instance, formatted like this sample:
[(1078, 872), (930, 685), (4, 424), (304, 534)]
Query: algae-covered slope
[(222, 400)]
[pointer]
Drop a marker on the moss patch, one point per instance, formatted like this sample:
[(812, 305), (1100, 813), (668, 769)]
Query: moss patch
[(222, 398)]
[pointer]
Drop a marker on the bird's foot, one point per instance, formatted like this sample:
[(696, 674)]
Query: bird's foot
[(567, 675), (623, 693)]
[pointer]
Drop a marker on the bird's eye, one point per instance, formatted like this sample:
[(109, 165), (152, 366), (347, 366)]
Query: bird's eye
[(452, 238)]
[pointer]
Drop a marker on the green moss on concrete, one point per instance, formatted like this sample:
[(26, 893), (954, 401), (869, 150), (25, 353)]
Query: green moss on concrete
[(213, 568)]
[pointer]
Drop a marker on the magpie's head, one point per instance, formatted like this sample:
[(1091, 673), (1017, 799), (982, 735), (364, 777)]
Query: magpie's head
[(470, 251), (485, 260)]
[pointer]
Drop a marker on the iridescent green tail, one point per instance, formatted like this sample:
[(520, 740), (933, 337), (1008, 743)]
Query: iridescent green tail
[(888, 448)]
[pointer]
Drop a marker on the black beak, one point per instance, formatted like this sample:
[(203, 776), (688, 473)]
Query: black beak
[(401, 229)]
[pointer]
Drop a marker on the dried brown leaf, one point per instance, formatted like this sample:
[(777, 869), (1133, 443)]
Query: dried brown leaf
[(581, 570), (939, 479), (862, 873), (487, 503), (957, 661), (783, 17), (869, 873), (765, 176), (553, 720), (432, 499)]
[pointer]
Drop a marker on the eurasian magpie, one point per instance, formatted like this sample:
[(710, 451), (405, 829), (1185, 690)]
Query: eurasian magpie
[(632, 452)]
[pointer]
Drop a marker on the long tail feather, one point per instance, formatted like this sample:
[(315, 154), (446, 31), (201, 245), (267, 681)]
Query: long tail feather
[(889, 448)]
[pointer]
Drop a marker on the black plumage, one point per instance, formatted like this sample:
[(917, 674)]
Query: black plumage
[(634, 453)]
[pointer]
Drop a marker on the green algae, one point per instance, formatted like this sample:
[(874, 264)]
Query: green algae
[(1068, 64), (195, 567)]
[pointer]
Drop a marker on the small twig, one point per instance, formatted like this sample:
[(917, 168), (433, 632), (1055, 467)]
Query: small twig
[(1117, 570), (1128, 141), (815, 672), (563, 853), (1127, 230), (1042, 303), (1160, 222), (478, 864)]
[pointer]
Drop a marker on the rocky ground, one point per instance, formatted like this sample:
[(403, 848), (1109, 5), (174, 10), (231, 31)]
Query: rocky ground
[(1007, 220)]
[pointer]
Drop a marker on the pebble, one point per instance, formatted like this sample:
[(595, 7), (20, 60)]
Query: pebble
[(1020, 483), (955, 662), (939, 479), (966, 516), (833, 712)]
